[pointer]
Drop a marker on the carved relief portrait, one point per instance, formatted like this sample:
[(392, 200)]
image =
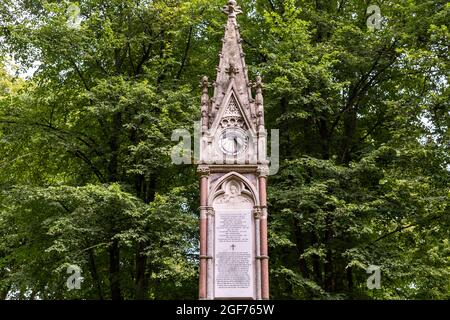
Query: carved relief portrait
[(233, 193)]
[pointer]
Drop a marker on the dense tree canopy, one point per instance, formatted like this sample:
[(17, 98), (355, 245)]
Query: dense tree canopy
[(86, 176)]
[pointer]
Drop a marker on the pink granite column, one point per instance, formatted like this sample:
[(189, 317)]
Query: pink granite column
[(257, 215), (263, 235), (203, 232)]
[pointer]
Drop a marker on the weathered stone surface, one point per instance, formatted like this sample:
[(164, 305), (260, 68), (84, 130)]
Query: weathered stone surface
[(233, 225)]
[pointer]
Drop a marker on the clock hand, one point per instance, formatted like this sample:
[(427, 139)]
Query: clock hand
[(237, 143)]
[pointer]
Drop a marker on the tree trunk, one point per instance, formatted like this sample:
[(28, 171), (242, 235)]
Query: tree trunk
[(94, 274), (300, 249), (316, 262), (324, 137), (328, 271), (146, 192), (328, 265), (350, 279), (350, 118), (4, 293), (285, 150), (114, 145), (114, 271), (141, 280)]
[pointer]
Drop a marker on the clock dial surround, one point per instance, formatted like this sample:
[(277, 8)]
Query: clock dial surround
[(233, 141)]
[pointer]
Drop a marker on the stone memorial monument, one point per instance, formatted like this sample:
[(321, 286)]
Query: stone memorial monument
[(233, 172)]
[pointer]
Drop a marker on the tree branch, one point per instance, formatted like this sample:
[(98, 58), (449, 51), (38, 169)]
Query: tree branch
[(80, 74), (80, 155), (185, 55), (405, 227)]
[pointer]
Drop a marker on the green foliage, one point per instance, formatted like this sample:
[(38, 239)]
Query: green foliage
[(47, 229), (85, 172)]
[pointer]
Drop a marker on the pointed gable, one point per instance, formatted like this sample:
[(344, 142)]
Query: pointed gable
[(231, 114)]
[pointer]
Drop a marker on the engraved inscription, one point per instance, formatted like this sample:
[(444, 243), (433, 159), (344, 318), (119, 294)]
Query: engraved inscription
[(233, 227), (233, 270), (234, 254)]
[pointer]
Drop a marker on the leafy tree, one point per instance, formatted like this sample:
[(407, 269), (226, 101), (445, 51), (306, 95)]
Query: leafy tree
[(85, 171)]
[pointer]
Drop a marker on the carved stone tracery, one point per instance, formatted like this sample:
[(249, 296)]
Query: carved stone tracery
[(232, 117)]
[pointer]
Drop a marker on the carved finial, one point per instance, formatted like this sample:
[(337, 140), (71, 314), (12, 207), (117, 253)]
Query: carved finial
[(232, 71), (232, 9), (206, 101), (205, 84), (259, 100), (258, 81), (258, 85)]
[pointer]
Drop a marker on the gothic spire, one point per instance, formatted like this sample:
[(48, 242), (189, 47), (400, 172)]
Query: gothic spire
[(232, 70)]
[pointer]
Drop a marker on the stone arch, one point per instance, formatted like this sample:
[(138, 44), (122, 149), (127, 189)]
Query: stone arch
[(233, 187)]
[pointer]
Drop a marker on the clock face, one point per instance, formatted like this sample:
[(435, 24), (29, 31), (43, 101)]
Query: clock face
[(233, 141)]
